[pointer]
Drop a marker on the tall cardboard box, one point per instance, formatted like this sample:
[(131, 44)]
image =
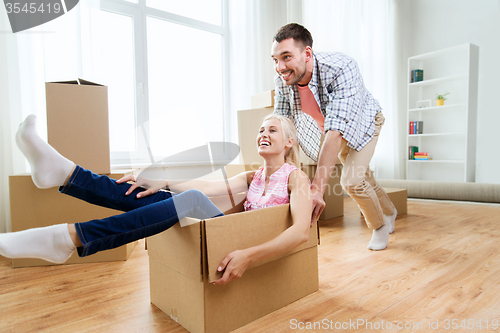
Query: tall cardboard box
[(249, 122), (77, 123), (183, 262), (31, 207)]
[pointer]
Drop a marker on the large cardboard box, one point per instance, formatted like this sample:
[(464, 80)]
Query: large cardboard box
[(31, 207), (263, 100), (183, 262), (77, 123), (334, 194)]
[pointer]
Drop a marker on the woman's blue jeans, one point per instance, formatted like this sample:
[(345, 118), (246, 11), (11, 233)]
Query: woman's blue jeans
[(143, 217)]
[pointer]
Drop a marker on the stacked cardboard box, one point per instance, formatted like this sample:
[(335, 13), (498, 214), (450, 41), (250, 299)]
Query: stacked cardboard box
[(77, 126), (183, 263)]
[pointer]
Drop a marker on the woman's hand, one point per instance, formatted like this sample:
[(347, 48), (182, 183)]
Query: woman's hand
[(151, 185), (235, 265)]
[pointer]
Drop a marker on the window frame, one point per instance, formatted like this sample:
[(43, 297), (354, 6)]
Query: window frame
[(139, 13)]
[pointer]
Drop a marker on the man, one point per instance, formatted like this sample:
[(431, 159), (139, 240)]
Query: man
[(325, 93)]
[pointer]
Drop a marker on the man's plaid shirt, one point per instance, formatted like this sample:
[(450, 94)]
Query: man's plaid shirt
[(348, 107)]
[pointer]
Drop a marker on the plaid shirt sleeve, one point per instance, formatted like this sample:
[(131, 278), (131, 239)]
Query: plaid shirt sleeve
[(281, 98)]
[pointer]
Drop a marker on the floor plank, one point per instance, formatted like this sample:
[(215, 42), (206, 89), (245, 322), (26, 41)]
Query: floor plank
[(442, 263)]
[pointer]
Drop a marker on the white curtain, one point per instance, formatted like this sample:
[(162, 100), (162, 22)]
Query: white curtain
[(252, 25), (55, 51), (366, 30)]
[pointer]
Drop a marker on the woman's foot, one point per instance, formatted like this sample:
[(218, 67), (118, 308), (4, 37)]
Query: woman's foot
[(52, 243), (48, 167)]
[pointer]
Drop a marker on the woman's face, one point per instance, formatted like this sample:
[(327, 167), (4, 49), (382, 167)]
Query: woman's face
[(270, 139)]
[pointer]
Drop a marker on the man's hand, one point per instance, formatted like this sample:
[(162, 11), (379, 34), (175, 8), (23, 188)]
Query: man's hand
[(318, 204), (151, 185), (234, 265)]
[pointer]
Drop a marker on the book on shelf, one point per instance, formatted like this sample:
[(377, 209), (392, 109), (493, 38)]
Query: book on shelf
[(420, 127), (411, 152), (422, 156), (416, 127), (417, 75)]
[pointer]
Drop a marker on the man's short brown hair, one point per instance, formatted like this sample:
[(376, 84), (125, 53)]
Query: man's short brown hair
[(295, 31)]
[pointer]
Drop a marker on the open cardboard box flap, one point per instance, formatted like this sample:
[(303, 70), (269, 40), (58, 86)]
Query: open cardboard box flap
[(243, 230), (78, 81)]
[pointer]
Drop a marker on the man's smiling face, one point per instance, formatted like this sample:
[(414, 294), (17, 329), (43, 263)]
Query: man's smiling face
[(290, 60)]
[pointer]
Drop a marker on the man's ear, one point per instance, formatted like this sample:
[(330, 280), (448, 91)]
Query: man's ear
[(309, 53)]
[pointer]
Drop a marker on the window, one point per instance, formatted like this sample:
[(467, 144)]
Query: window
[(164, 67), (118, 59)]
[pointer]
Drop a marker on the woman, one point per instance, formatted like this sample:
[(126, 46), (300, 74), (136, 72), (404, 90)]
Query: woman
[(149, 211)]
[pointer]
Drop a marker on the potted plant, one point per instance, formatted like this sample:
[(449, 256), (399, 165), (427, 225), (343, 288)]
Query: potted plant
[(440, 99)]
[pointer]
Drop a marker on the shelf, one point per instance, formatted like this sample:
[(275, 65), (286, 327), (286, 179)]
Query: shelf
[(435, 134), (437, 161), (437, 81), (450, 130), (440, 53), (439, 108)]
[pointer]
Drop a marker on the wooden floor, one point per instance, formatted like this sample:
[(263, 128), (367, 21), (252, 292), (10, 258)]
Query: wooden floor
[(442, 263)]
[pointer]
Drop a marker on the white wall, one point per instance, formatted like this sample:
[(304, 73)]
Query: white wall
[(431, 25)]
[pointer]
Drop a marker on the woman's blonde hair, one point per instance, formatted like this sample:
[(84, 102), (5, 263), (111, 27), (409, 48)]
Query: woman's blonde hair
[(289, 132)]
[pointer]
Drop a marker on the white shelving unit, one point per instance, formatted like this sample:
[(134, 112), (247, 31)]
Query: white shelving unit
[(449, 131)]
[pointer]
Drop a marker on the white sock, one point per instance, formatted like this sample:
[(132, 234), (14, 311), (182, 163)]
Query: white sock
[(390, 220), (52, 243), (380, 238), (48, 167)]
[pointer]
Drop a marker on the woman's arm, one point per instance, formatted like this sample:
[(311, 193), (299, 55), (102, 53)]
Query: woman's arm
[(237, 184), (236, 262)]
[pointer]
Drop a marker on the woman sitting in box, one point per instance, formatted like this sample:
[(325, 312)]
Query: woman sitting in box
[(149, 211)]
